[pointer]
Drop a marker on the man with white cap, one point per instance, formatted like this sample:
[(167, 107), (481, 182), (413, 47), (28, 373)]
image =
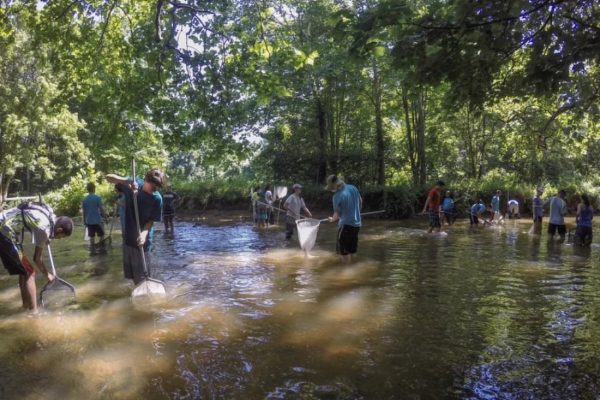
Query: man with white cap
[(294, 205), (347, 204)]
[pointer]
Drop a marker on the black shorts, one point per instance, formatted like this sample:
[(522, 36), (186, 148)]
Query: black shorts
[(347, 242), (95, 230), (10, 254), (552, 228)]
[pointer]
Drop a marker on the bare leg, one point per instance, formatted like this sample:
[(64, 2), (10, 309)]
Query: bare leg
[(28, 291), (347, 258)]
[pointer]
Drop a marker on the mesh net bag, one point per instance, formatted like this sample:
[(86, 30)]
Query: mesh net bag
[(307, 233)]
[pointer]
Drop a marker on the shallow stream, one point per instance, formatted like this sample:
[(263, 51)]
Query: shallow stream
[(490, 313)]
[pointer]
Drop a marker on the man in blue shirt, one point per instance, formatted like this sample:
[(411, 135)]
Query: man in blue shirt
[(92, 215), (558, 210), (477, 211), (149, 203), (347, 203)]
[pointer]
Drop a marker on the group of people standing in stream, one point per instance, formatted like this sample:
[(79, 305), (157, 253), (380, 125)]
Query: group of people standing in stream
[(346, 201), (38, 219), (440, 209)]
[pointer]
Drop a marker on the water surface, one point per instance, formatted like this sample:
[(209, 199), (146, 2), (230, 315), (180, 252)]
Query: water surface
[(478, 314)]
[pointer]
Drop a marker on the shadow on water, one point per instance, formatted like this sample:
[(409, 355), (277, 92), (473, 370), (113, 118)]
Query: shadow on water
[(480, 313)]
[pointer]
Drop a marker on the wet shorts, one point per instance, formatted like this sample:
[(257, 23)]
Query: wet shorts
[(10, 254), (347, 242), (552, 228), (95, 230)]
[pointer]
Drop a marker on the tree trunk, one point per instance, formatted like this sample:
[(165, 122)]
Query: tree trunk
[(410, 145), (379, 134), (322, 139), (4, 184), (420, 137)]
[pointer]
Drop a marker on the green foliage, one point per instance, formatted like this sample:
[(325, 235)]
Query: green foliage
[(38, 133), (198, 195), (67, 200), (235, 92)]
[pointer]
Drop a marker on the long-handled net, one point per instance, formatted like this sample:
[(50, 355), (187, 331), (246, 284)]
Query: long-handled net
[(309, 227), (58, 293), (279, 192), (307, 232), (149, 287)]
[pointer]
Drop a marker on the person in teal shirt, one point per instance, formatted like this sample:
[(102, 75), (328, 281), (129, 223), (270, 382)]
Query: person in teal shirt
[(150, 205), (448, 208), (347, 204), (93, 212)]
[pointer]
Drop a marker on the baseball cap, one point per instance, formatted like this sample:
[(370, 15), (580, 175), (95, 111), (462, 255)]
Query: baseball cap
[(297, 186)]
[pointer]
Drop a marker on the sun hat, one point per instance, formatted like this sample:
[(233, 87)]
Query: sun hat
[(332, 181)]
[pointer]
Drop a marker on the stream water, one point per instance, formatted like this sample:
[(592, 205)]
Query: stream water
[(489, 313)]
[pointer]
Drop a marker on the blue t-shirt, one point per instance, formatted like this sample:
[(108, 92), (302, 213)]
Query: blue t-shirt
[(150, 209), (477, 208), (448, 204), (346, 202), (558, 209), (92, 204)]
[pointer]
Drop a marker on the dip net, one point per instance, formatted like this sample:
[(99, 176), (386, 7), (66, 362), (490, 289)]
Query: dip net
[(307, 233)]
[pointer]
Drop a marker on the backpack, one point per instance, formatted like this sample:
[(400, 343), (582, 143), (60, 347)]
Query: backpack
[(36, 206)]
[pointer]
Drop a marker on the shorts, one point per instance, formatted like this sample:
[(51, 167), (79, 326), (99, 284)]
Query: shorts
[(552, 228), (474, 220), (133, 265), (347, 242), (11, 258), (434, 219), (95, 230), (168, 212)]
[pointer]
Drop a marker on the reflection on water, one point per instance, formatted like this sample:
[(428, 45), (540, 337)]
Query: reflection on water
[(486, 313)]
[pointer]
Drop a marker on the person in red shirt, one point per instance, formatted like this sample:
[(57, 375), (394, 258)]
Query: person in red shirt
[(432, 204)]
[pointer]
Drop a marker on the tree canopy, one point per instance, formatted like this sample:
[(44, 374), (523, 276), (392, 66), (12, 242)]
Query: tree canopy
[(384, 92)]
